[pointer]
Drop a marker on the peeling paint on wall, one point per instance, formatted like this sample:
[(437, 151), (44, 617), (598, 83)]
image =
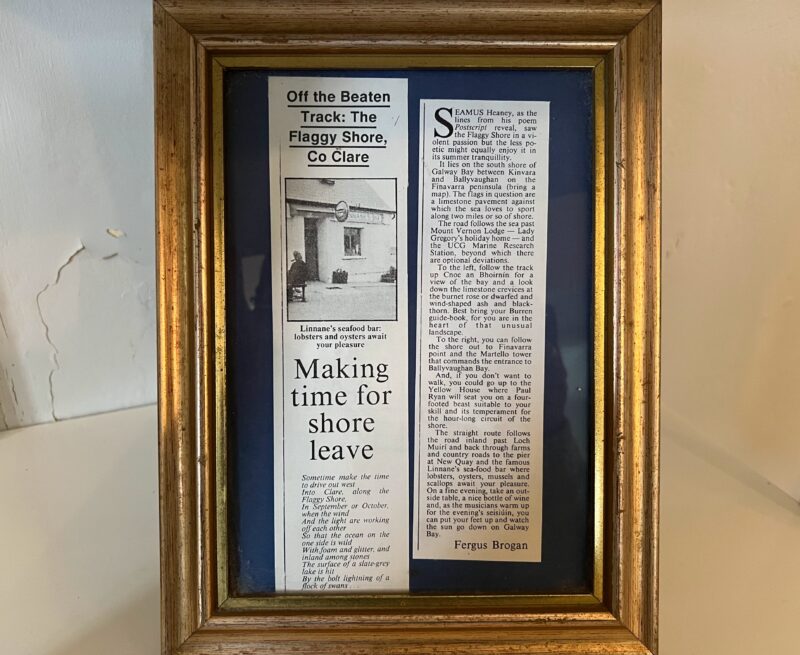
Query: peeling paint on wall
[(77, 281), (56, 363)]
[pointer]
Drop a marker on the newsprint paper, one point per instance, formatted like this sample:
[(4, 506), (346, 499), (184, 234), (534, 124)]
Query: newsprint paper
[(339, 227), (338, 188), (480, 333)]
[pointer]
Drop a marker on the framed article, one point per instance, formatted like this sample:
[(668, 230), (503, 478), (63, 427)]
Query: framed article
[(408, 269)]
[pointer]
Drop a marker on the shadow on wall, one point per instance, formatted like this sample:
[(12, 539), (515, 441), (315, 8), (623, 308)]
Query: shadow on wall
[(80, 557), (677, 429), (126, 631)]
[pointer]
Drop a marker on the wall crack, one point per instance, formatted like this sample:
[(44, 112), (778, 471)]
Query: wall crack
[(56, 363)]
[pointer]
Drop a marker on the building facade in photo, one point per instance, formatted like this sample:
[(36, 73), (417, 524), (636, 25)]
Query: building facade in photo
[(361, 240)]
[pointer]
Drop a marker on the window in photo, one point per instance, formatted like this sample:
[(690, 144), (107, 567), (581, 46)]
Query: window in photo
[(352, 242)]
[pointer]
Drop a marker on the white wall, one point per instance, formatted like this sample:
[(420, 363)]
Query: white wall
[(731, 308), (79, 542), (76, 208), (78, 499), (732, 229)]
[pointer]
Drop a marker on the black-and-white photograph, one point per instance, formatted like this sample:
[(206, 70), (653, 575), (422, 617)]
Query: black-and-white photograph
[(341, 249)]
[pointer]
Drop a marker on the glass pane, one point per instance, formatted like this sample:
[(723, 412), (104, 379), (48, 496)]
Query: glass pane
[(567, 492)]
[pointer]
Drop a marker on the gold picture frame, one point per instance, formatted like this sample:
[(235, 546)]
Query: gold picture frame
[(195, 41)]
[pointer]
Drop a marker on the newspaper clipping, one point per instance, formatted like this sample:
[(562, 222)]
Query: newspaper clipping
[(480, 343), (338, 188)]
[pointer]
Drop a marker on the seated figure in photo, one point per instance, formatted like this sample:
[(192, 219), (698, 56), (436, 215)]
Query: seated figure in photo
[(297, 276)]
